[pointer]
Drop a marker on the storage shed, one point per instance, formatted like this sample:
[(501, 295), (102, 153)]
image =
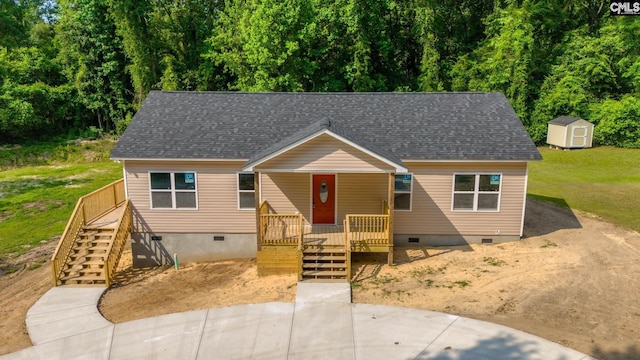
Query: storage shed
[(570, 133)]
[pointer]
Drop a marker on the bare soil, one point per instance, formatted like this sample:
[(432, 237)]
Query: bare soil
[(573, 279)]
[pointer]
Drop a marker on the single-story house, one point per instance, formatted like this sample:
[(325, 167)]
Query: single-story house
[(218, 175), (569, 133)]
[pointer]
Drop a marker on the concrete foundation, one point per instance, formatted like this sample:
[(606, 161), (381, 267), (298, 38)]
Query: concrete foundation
[(449, 240), (158, 248)]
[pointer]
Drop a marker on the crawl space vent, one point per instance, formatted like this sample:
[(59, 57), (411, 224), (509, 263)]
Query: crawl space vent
[(156, 238), (487, 241), (414, 240), (218, 238)]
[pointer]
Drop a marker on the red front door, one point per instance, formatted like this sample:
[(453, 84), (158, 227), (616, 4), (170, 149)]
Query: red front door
[(324, 199)]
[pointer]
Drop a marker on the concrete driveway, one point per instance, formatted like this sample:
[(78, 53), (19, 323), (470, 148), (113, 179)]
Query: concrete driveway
[(321, 324)]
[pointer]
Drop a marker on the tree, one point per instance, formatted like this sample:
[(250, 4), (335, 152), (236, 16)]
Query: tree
[(503, 60), (618, 122), (94, 61), (263, 44), (590, 70)]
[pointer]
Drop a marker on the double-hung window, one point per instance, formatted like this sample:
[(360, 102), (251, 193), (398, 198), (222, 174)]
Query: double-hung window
[(477, 192), (173, 190), (402, 191), (246, 191)]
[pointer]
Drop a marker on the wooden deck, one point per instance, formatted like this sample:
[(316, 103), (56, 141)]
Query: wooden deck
[(108, 220), (324, 235)]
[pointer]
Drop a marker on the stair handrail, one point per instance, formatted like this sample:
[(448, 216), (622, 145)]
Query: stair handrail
[(60, 255), (117, 245), (111, 194)]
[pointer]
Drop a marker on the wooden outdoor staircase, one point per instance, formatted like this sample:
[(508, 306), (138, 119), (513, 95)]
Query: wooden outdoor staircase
[(85, 264), (325, 263), (92, 243)]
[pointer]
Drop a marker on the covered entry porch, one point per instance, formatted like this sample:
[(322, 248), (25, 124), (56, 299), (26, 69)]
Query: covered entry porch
[(321, 195)]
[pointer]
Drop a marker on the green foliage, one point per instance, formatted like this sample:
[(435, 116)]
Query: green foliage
[(503, 61), (94, 60), (263, 43), (618, 122), (591, 70), (70, 65), (493, 261)]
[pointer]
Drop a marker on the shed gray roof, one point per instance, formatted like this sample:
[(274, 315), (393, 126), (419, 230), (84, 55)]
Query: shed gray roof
[(408, 126), (563, 120)]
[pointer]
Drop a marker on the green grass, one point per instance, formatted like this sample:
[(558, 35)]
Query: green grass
[(493, 261), (604, 181), (37, 200)]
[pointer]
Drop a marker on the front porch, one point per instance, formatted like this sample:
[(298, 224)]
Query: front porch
[(319, 252), (320, 195)]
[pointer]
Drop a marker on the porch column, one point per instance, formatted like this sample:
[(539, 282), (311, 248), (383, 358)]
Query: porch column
[(256, 188), (391, 197)]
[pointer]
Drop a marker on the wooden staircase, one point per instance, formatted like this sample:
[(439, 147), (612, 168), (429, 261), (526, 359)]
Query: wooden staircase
[(85, 264), (94, 239), (324, 263)]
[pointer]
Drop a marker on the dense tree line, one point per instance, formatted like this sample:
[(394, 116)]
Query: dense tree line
[(74, 67)]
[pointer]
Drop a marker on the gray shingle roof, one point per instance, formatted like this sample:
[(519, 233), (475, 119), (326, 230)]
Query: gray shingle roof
[(408, 126), (563, 120)]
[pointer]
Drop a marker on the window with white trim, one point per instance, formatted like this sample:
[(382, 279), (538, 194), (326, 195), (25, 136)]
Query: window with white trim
[(246, 191), (477, 192), (402, 189), (173, 190)]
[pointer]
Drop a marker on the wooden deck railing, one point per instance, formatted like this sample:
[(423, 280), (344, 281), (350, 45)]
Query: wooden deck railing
[(366, 229), (103, 200), (89, 207), (279, 229), (117, 246)]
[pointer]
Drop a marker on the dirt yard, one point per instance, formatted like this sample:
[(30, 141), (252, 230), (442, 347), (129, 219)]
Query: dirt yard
[(574, 280)]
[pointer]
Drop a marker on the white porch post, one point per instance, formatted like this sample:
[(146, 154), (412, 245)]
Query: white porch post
[(391, 197), (256, 187)]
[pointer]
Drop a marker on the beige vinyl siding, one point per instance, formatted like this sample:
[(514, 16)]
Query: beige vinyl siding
[(356, 193), (556, 135), (217, 199), (325, 153), (287, 193), (432, 196), (361, 194)]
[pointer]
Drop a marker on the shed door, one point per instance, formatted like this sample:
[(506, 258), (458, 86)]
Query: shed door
[(579, 136), (324, 199)]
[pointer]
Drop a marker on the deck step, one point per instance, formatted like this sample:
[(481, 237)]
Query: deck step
[(318, 274), (85, 262), (106, 238), (77, 257), (79, 279), (324, 265), (313, 251), (324, 258)]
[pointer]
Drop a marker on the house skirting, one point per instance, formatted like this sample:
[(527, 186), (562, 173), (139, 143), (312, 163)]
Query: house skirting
[(152, 249), (405, 240)]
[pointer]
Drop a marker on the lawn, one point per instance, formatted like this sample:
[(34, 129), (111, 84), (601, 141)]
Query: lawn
[(604, 181), (40, 185)]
